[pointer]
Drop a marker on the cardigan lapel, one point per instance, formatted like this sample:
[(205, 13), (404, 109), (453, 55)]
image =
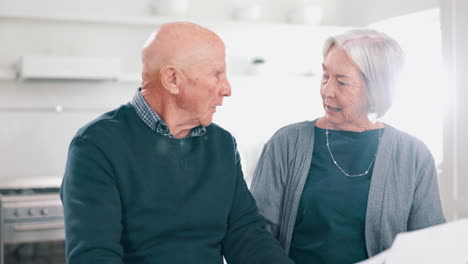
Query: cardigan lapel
[(376, 192)]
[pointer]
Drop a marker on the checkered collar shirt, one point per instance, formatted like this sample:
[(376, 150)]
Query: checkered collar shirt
[(151, 118)]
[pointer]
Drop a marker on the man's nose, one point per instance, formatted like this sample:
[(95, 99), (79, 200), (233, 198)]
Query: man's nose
[(226, 89)]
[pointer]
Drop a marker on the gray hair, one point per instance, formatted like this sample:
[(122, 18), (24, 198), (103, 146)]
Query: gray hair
[(380, 60)]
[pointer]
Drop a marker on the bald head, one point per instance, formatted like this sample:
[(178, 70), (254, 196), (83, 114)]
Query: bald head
[(181, 44), (184, 75)]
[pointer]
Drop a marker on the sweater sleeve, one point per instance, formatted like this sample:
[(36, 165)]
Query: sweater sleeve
[(426, 209), (268, 188), (247, 241), (92, 207)]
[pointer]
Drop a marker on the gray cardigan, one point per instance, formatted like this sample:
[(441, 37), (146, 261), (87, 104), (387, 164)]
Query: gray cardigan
[(403, 193)]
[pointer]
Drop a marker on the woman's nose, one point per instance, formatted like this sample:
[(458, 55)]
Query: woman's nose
[(328, 88)]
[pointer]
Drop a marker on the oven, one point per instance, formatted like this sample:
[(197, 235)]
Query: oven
[(31, 225)]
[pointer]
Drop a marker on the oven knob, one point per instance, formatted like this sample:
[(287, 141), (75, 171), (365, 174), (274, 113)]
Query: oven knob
[(45, 211), (18, 212), (31, 212)]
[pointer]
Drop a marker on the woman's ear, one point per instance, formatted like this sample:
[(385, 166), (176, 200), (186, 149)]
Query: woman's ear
[(170, 79)]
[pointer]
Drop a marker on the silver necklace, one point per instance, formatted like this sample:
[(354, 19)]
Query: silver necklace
[(339, 167)]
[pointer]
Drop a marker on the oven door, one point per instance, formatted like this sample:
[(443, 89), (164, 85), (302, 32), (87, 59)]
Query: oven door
[(34, 242), (32, 229), (51, 252)]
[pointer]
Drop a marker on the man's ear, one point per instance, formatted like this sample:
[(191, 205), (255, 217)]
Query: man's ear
[(170, 79)]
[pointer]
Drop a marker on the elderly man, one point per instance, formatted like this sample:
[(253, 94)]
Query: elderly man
[(154, 181)]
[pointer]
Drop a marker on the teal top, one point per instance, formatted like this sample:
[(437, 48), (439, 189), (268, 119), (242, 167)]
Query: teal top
[(131, 195), (331, 216)]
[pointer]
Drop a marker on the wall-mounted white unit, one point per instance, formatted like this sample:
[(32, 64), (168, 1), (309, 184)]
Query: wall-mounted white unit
[(68, 68)]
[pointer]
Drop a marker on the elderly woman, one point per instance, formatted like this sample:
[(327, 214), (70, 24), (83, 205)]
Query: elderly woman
[(340, 188)]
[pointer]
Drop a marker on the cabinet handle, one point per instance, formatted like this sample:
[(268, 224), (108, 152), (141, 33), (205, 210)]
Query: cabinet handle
[(39, 227)]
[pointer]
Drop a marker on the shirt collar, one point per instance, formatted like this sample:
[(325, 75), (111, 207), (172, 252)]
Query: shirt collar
[(152, 119)]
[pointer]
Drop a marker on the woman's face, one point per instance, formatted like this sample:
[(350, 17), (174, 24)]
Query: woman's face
[(343, 92)]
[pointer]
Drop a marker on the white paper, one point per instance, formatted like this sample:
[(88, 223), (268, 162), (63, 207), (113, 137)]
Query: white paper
[(446, 243), (442, 244)]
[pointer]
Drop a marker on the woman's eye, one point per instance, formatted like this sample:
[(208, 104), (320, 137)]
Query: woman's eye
[(342, 83)]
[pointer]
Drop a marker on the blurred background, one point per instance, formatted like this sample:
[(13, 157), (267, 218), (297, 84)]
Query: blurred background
[(63, 63)]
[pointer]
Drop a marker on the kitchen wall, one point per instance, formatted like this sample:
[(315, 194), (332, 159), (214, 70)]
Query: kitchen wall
[(271, 11), (34, 137), (365, 12), (334, 12), (265, 97), (42, 116)]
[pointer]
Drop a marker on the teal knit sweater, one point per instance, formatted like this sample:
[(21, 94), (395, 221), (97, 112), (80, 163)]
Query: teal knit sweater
[(131, 195)]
